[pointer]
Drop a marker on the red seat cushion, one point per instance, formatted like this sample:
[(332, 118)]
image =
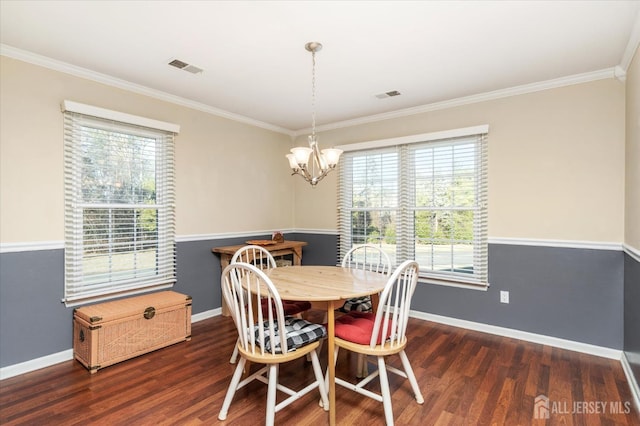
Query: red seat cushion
[(357, 327), (291, 307)]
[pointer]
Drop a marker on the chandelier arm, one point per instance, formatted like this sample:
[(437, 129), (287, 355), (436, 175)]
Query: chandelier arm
[(312, 180), (321, 176), (318, 159), (304, 172)]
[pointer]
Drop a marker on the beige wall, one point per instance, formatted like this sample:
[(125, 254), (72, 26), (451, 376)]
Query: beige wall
[(224, 169), (632, 156), (556, 162)]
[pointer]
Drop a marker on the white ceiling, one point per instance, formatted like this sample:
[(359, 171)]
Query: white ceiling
[(256, 68)]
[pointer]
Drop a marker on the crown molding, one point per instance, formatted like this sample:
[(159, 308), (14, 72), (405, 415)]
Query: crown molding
[(468, 100), (632, 45), (55, 65), (66, 68)]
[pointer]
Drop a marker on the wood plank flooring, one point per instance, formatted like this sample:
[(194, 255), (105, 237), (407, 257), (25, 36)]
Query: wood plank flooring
[(466, 377)]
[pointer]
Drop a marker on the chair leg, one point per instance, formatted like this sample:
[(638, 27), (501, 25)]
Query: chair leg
[(386, 394), (335, 360), (412, 378), (324, 401), (271, 394), (234, 355), (324, 321), (231, 391)]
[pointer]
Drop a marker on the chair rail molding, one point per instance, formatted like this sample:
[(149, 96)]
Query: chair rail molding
[(631, 251), (594, 245)]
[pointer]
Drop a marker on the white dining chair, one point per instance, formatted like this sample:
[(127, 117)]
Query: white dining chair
[(267, 338), (381, 335), (369, 258), (264, 260)]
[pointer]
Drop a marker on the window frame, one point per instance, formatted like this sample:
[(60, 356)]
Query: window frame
[(407, 205), (80, 288)]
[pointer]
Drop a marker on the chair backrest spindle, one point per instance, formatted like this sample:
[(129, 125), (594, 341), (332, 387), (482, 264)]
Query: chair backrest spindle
[(255, 255), (392, 314), (367, 257)]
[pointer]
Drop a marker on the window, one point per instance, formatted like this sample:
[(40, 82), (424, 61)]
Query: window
[(422, 197), (119, 204)]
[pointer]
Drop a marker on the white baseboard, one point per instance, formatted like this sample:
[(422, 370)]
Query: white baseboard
[(633, 384), (35, 364), (67, 355), (522, 335), (206, 314)]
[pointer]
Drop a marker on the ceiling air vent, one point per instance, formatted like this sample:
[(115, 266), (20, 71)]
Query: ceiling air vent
[(388, 94), (185, 66)]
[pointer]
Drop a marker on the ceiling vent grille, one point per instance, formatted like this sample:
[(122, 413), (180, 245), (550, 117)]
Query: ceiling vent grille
[(388, 94), (185, 66)]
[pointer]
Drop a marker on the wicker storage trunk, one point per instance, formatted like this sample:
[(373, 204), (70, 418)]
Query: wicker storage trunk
[(111, 332)]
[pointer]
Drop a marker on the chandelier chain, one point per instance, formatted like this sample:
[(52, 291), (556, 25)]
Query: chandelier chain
[(313, 94)]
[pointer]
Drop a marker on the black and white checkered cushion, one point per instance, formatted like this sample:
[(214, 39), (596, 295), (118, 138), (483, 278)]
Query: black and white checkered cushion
[(357, 304), (299, 333)]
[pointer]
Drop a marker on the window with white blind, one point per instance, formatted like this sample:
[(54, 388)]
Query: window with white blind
[(422, 197), (119, 204)]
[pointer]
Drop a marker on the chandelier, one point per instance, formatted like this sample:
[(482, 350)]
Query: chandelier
[(311, 163)]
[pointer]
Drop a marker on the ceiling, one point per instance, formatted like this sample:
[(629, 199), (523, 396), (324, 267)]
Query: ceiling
[(256, 68)]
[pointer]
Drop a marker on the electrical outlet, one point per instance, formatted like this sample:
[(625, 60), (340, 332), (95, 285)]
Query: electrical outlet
[(504, 297)]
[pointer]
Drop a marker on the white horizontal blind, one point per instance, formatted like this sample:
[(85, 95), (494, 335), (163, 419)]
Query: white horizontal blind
[(425, 201), (119, 209), (369, 200)]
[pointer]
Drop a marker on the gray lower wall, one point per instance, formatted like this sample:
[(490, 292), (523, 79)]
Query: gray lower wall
[(33, 320), (632, 314), (568, 293), (573, 294)]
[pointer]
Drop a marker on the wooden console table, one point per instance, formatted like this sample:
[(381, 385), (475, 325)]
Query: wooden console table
[(280, 249)]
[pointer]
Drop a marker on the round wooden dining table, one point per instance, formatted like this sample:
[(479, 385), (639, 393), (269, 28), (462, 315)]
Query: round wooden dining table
[(328, 286)]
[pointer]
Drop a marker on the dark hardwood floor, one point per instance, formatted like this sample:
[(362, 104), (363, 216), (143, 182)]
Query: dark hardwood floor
[(466, 378)]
